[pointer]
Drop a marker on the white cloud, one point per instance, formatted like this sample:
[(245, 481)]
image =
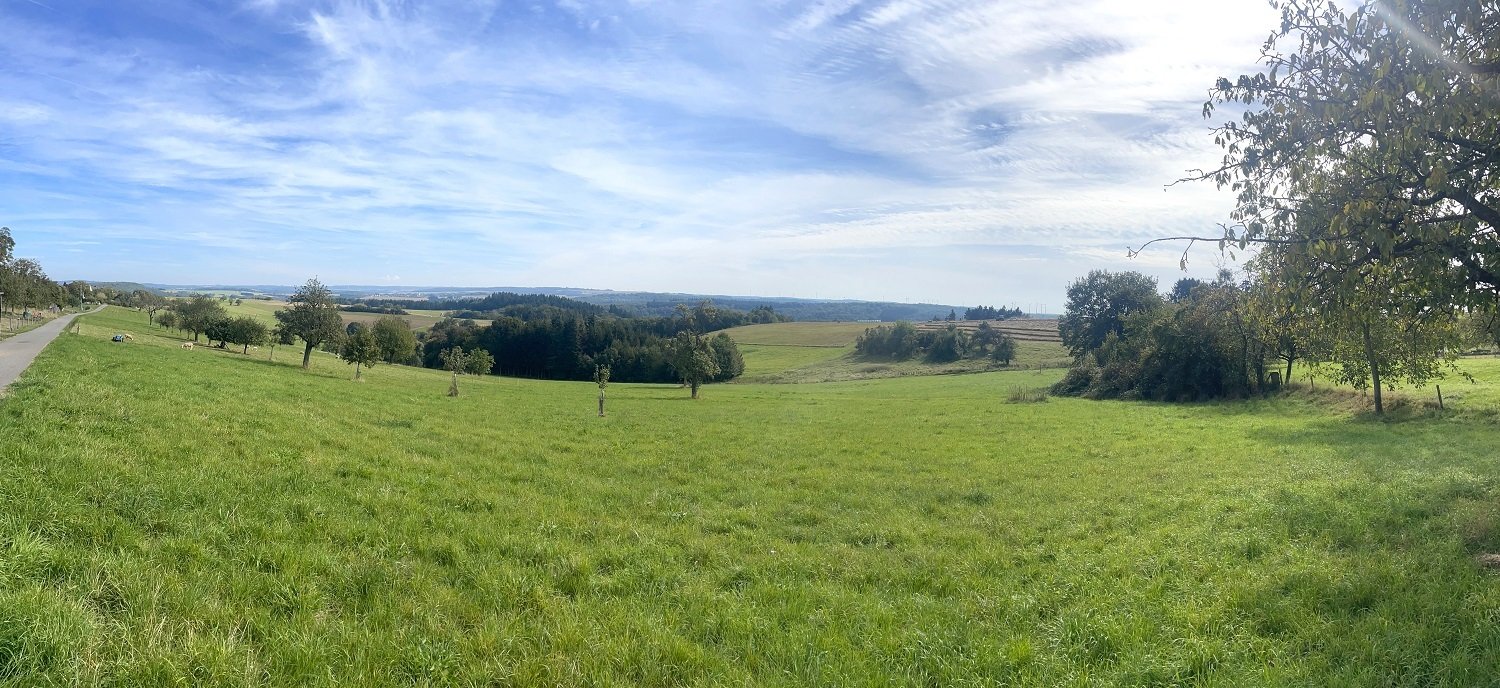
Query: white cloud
[(485, 145)]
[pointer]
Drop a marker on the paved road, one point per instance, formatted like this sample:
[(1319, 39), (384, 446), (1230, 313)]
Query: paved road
[(17, 352)]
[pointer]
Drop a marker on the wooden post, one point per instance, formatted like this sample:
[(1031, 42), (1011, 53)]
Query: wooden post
[(601, 404), (1440, 397)]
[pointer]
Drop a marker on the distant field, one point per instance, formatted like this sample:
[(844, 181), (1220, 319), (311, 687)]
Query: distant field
[(264, 310), (824, 352), (1023, 330), (800, 333), (199, 517)]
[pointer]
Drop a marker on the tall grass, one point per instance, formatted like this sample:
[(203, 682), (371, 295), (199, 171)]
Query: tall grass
[(206, 518)]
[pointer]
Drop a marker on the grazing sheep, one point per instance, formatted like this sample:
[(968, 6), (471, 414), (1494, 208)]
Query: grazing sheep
[(187, 345)]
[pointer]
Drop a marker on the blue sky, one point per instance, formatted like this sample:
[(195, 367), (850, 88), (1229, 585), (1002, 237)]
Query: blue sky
[(940, 150)]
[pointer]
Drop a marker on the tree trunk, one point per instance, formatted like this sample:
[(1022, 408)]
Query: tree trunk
[(356, 371), (601, 404), (1374, 367), (695, 389), (453, 388), (246, 350), (307, 356)]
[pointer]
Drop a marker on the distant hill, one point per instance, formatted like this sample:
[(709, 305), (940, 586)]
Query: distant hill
[(634, 302), (126, 287)]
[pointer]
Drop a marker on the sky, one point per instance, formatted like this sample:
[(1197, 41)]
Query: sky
[(949, 151)]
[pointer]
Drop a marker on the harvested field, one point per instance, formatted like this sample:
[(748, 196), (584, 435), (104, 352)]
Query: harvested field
[(1024, 330)]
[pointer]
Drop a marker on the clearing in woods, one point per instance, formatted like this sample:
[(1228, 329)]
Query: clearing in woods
[(202, 516)]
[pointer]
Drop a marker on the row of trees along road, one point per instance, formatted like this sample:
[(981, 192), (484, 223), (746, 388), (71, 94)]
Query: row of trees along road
[(23, 283), (1366, 168)]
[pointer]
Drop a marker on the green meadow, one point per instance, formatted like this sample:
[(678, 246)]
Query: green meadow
[(176, 517), (824, 352)]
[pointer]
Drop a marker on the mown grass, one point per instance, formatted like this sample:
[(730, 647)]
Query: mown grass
[(205, 518)]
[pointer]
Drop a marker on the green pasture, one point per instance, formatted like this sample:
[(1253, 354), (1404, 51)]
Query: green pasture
[(176, 517), (824, 352)]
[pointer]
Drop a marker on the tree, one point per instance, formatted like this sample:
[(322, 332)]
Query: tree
[(150, 302), (460, 362), (396, 340), (1182, 290), (1379, 121), (693, 359), (727, 357), (313, 317), (246, 331), (360, 348), (197, 314), (601, 379), (1004, 349), (167, 320), (1098, 305)]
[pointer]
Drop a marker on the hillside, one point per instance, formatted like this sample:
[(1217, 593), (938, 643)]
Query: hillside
[(637, 303), (174, 514), (824, 352)]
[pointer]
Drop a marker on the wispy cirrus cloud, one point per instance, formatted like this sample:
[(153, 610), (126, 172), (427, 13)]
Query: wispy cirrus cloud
[(786, 148)]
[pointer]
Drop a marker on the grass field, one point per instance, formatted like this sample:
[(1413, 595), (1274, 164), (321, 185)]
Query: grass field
[(265, 310), (205, 518), (824, 352)]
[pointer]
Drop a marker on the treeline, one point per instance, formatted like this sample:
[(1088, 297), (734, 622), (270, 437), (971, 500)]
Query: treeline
[(992, 313), (1229, 339), (366, 308), (499, 303), (663, 305), (903, 341), (569, 346), (23, 283)]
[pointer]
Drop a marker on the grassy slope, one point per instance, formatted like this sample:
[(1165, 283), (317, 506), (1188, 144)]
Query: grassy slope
[(824, 352), (176, 516)]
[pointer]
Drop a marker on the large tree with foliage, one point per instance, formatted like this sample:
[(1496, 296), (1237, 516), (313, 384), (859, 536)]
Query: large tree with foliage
[(197, 314), (693, 358), (246, 332), (396, 340), (1099, 304), (313, 317), (1381, 120)]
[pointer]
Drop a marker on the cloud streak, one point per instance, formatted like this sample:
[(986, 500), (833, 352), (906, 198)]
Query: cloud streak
[(778, 148)]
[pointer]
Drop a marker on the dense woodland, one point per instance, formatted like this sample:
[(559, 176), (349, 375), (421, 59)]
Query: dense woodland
[(561, 343)]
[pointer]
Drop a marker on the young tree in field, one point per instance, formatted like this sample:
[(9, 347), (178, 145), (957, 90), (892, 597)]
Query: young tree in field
[(246, 331), (396, 340), (360, 348), (601, 379), (693, 358), (313, 316), (168, 320), (460, 362), (197, 314)]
